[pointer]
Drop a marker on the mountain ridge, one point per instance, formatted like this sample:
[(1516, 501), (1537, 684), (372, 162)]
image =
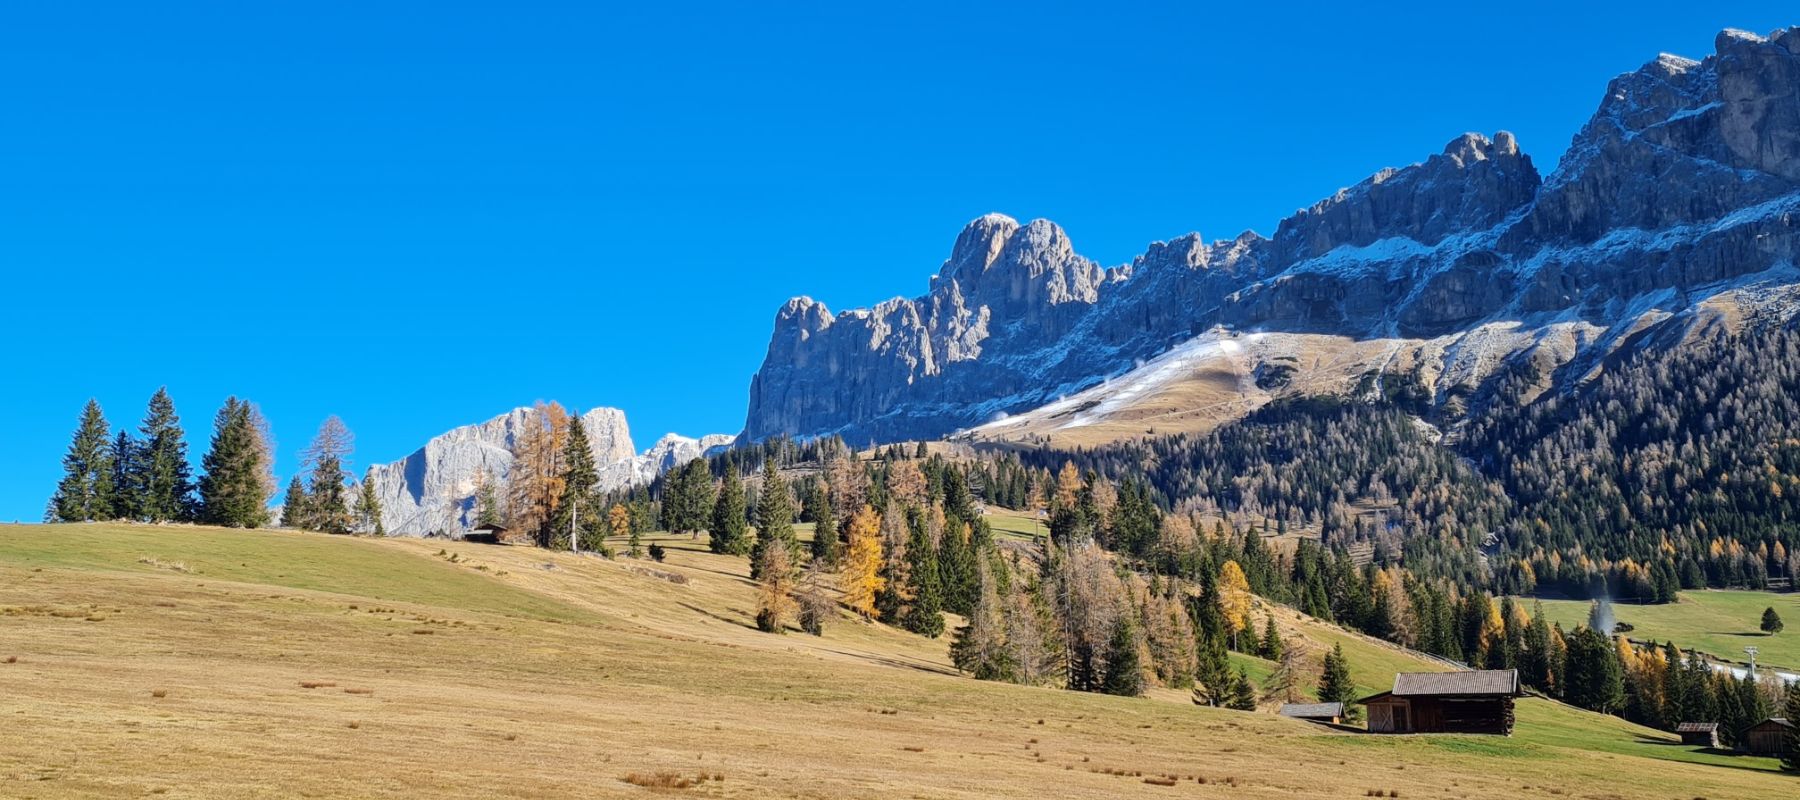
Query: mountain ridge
[(1681, 186)]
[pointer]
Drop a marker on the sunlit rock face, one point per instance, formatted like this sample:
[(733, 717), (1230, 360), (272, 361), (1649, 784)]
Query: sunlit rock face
[(1683, 185)]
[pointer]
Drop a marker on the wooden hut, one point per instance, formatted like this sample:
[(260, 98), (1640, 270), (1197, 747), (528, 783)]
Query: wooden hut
[(1328, 713), (1479, 701), (486, 534), (1703, 734), (1769, 737)]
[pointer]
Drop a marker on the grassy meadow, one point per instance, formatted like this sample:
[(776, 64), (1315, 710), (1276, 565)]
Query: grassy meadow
[(194, 662), (1719, 622)]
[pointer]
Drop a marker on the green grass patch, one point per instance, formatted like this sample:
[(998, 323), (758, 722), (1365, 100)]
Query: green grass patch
[(1719, 622)]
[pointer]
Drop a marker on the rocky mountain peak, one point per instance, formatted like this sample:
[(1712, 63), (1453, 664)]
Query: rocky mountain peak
[(1685, 180)]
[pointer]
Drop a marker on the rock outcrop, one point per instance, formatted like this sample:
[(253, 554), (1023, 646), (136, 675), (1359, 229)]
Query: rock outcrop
[(433, 491), (1684, 184)]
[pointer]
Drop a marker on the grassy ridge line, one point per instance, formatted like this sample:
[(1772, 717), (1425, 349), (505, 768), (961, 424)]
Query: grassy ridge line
[(343, 565)]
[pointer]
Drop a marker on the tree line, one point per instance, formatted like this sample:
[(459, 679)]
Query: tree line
[(147, 477)]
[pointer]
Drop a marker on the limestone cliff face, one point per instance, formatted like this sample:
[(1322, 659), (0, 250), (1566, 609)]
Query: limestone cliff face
[(1685, 183), (434, 489)]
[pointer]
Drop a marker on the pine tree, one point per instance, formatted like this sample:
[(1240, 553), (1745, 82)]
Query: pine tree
[(729, 529), (232, 492), (1595, 679), (775, 570), (1243, 693), (327, 504), (979, 647), (774, 516), (956, 569), (368, 507), (127, 500), (1124, 673), (1271, 645), (862, 579), (1771, 622), (924, 615), (295, 511), (487, 503), (1335, 685), (164, 477), (578, 522), (85, 492), (817, 510), (1790, 709)]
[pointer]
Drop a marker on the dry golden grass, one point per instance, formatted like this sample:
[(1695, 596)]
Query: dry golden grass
[(571, 673)]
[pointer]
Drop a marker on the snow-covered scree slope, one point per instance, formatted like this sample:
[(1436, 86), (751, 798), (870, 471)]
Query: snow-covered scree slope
[(434, 490), (1676, 202)]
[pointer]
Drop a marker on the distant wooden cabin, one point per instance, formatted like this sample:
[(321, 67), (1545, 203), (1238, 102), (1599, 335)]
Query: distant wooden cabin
[(1769, 737), (1329, 713), (1480, 701), (486, 534), (1704, 734)]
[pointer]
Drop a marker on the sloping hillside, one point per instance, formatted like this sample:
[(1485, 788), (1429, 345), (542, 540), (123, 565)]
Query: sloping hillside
[(192, 662)]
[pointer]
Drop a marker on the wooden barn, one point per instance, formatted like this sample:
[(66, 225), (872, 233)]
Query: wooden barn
[(1704, 734), (1480, 701), (1329, 713), (485, 534), (1769, 737)]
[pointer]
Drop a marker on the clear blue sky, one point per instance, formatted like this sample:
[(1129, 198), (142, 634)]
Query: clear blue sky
[(419, 215)]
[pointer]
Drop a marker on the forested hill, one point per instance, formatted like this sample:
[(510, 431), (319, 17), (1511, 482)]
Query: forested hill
[(1679, 468), (1684, 461)]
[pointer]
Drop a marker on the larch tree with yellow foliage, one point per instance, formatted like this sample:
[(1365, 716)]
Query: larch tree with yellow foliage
[(618, 520), (862, 579), (1234, 599)]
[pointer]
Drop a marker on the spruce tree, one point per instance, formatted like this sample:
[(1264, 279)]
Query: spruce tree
[(1595, 679), (957, 570), (1124, 674), (578, 513), (1272, 647), (1335, 685), (817, 510), (164, 477), (327, 503), (1790, 709), (1243, 693), (295, 511), (85, 492), (729, 530), (127, 500), (1771, 622), (232, 493), (368, 507), (487, 504), (774, 516), (924, 614)]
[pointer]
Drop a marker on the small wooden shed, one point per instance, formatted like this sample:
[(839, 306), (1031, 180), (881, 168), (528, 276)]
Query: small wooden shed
[(1769, 737), (486, 534), (1477, 701), (1329, 713), (1704, 734)]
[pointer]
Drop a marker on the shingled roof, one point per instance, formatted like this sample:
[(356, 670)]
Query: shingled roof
[(1697, 727), (1482, 681), (1312, 710)]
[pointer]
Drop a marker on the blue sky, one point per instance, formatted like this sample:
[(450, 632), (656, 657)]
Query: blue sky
[(419, 215)]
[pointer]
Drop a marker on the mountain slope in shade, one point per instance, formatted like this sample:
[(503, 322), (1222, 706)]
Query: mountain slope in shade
[(434, 489), (1675, 203)]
